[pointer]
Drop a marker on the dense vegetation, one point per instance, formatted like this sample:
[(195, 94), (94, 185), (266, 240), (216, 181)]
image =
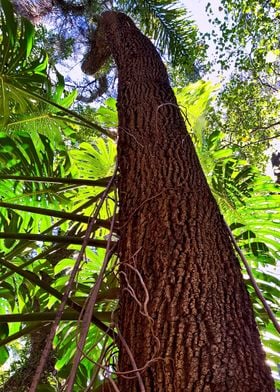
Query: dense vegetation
[(59, 206)]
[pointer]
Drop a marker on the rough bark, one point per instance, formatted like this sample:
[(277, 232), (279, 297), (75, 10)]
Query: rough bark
[(196, 323)]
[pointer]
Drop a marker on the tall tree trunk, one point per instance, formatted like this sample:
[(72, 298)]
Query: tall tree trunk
[(185, 313)]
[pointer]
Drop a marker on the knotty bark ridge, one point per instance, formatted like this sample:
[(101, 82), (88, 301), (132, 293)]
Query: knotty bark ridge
[(184, 311)]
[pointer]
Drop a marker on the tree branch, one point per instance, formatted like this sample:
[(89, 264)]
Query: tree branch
[(50, 316), (264, 127), (102, 182), (53, 238), (23, 332), (58, 214)]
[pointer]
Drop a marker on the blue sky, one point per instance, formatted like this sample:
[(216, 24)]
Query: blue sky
[(197, 9), (200, 17)]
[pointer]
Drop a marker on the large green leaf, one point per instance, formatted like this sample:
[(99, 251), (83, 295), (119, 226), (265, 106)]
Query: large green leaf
[(18, 66), (36, 274)]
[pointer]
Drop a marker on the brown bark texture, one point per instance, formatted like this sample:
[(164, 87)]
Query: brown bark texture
[(185, 313)]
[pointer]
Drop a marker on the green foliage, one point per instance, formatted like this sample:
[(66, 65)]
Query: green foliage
[(33, 147), (168, 24), (248, 116), (249, 34), (48, 261), (18, 68), (244, 196), (246, 35), (52, 182), (58, 46)]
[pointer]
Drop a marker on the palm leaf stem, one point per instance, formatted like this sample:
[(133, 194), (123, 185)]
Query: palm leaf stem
[(53, 238), (53, 180), (58, 214), (50, 316), (22, 333), (69, 112)]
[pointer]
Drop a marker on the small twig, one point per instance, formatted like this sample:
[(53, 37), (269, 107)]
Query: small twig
[(126, 373), (68, 315), (53, 213), (254, 142), (264, 127), (54, 239), (23, 332), (130, 134), (55, 180), (130, 290), (147, 297), (96, 370), (261, 140), (141, 370)]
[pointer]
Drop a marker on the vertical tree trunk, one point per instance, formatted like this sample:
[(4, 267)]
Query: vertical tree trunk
[(185, 313)]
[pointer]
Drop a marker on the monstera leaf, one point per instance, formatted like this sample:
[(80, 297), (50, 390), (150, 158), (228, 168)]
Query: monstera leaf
[(20, 69)]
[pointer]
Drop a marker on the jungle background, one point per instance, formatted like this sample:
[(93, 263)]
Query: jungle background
[(57, 169)]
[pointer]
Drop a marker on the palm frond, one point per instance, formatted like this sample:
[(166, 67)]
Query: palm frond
[(169, 25)]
